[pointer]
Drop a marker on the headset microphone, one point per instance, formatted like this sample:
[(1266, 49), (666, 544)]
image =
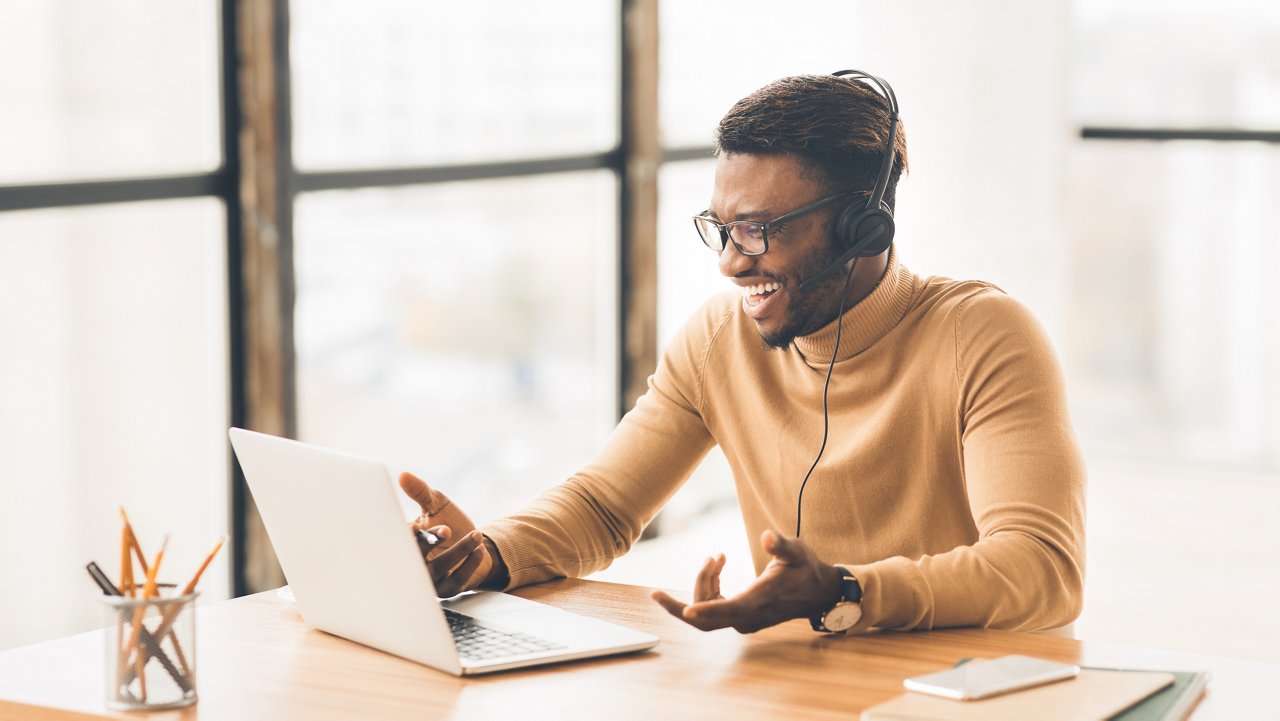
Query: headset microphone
[(838, 263)]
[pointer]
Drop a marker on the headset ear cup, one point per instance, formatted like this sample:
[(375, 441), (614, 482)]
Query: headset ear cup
[(873, 232), (856, 227), (846, 226)]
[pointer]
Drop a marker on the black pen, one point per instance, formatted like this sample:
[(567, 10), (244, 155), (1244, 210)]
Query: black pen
[(109, 589)]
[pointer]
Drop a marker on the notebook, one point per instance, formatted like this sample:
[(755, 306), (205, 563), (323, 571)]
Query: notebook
[(1173, 703), (356, 572), (1093, 694)]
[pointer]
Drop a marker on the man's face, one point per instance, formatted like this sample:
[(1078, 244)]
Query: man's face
[(761, 188)]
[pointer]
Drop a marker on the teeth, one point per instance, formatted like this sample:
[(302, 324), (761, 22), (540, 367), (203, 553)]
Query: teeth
[(760, 289)]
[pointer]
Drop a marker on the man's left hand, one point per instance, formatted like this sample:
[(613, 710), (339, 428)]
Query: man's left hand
[(794, 584)]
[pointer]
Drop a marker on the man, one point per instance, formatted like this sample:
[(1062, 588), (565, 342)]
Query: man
[(948, 491)]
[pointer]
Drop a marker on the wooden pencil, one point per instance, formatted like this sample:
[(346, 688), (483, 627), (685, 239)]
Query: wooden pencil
[(126, 564), (191, 585), (148, 591), (133, 540), (171, 614)]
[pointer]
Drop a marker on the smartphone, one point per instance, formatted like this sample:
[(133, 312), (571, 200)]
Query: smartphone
[(983, 678)]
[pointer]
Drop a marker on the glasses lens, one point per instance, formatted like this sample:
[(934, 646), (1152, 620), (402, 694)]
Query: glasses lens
[(748, 236), (710, 233)]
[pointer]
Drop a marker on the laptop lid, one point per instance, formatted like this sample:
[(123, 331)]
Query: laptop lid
[(337, 529), (356, 572)]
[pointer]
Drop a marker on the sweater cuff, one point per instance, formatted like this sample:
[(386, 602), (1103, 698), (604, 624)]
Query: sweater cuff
[(526, 562), (501, 542), (888, 597)]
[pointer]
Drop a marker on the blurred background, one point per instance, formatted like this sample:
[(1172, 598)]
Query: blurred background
[(454, 237)]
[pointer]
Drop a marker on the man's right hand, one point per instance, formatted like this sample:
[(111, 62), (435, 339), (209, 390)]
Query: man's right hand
[(463, 559)]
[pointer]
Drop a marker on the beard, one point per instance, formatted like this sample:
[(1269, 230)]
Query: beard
[(811, 310)]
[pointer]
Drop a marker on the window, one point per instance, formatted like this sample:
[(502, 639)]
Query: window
[(113, 299), (456, 304), (461, 331), (420, 85), (90, 98), (1174, 351)]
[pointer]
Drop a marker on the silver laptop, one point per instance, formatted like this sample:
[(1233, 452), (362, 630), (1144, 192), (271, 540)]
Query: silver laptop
[(356, 571)]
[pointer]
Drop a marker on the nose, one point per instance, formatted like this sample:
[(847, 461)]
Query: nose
[(733, 263)]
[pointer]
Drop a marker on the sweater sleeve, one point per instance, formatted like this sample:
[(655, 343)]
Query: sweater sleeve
[(580, 526), (1025, 481)]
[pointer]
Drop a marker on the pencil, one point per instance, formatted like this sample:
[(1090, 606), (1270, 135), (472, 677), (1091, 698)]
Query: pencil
[(133, 540), (126, 564), (167, 621), (152, 645), (191, 585), (148, 591), (166, 624), (126, 589)]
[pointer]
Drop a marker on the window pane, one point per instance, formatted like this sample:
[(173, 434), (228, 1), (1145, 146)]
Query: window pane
[(1159, 64), (397, 82), (113, 380), (1174, 349), (464, 331), (94, 90)]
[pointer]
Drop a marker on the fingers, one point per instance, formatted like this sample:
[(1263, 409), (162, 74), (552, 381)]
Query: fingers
[(416, 489), (707, 585), (453, 569), (448, 559), (466, 575), (740, 612), (431, 549), (679, 610), (706, 588), (786, 550), (684, 612), (673, 607), (431, 502), (444, 533), (458, 567)]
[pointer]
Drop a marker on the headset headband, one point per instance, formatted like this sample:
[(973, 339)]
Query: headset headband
[(886, 164)]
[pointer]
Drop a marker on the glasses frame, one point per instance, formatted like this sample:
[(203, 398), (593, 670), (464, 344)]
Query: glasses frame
[(725, 230)]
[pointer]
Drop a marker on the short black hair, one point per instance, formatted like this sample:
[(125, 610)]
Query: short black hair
[(836, 125)]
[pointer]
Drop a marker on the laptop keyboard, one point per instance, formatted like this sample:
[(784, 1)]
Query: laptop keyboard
[(482, 643)]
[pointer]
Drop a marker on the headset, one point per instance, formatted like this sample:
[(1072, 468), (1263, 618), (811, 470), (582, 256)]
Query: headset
[(863, 229)]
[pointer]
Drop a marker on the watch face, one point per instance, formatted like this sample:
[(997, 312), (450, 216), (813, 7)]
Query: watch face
[(842, 617)]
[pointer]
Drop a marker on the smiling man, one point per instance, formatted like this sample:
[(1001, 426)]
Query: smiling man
[(901, 445)]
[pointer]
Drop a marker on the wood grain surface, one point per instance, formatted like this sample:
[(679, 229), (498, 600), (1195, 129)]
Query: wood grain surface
[(257, 660)]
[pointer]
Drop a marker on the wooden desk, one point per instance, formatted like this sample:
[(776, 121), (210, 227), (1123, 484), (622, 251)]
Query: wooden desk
[(258, 661)]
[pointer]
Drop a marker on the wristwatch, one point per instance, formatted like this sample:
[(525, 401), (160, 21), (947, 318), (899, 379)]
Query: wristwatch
[(845, 614)]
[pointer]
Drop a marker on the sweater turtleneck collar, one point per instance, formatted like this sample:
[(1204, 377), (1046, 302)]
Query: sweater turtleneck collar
[(867, 321)]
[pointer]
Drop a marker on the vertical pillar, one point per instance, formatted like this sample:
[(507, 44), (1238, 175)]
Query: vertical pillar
[(641, 156), (265, 172)]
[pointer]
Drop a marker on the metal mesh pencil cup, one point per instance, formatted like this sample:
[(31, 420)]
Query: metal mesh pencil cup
[(150, 651)]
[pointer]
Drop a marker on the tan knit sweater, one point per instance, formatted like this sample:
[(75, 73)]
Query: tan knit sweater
[(951, 486)]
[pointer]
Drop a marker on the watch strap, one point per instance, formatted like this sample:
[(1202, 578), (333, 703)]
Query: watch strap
[(850, 592)]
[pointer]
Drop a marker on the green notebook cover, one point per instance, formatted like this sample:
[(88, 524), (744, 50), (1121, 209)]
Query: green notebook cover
[(1172, 703)]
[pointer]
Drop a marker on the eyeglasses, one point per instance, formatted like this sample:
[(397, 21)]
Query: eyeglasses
[(748, 236)]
